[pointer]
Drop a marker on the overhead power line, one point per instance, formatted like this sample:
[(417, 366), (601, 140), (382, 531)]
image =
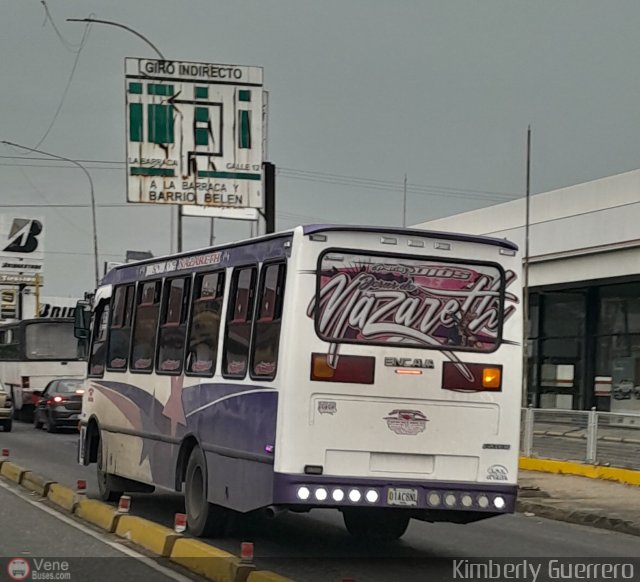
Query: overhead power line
[(319, 177)]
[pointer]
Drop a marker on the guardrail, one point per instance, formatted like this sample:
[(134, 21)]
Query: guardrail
[(588, 436)]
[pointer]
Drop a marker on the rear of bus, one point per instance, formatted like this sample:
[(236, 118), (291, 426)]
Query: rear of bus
[(401, 385), (46, 350)]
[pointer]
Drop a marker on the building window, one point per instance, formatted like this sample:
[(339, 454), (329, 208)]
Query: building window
[(239, 319), (174, 326), (266, 338), (619, 309), (120, 329), (146, 323), (617, 348), (564, 314), (204, 329)]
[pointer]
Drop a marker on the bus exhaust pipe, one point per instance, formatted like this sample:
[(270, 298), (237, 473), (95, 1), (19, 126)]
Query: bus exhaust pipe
[(272, 511)]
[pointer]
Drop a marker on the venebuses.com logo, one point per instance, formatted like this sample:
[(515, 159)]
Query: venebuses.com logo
[(38, 569)]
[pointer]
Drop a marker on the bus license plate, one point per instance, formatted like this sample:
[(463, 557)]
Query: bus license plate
[(400, 496)]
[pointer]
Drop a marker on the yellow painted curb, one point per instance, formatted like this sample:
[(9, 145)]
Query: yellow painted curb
[(12, 471), (98, 513), (592, 471), (149, 535), (62, 496), (266, 576), (206, 560), (36, 483)]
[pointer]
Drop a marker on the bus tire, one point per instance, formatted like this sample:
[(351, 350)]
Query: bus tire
[(204, 519), (51, 425), (376, 525), (105, 480), (7, 425)]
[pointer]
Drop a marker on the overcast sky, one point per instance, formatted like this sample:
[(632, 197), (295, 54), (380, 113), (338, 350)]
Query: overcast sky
[(362, 92)]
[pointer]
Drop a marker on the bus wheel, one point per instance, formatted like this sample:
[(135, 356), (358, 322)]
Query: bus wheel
[(203, 518), (105, 480), (378, 525)]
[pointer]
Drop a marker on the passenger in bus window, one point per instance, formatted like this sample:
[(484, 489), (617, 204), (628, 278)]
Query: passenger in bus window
[(203, 341)]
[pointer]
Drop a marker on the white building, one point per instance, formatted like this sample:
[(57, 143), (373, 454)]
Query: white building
[(584, 282)]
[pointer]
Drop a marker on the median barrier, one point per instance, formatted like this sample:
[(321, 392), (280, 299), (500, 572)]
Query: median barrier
[(98, 513), (152, 536), (627, 476), (62, 496), (36, 483), (12, 471), (209, 561)]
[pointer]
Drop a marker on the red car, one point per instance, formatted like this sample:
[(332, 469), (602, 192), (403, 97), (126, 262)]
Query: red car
[(59, 404)]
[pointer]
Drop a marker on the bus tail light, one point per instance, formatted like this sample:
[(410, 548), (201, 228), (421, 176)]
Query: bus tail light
[(348, 369), (485, 377)]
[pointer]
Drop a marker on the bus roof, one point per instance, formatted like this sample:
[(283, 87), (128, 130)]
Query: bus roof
[(272, 246), (500, 242)]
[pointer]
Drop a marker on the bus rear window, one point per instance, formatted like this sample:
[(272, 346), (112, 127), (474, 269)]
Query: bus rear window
[(418, 302), (50, 341)]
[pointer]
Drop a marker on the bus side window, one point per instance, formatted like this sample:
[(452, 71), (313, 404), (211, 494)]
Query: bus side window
[(120, 329), (144, 330), (173, 325), (99, 342), (204, 328), (266, 339), (239, 318)]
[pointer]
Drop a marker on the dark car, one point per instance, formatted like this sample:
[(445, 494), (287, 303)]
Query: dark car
[(59, 404), (6, 408)]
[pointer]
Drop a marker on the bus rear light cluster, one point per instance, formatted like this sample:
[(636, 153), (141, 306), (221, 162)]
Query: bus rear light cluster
[(347, 369), (452, 500), (337, 494), (480, 377)]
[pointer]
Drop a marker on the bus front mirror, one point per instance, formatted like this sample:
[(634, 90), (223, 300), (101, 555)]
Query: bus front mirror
[(81, 320)]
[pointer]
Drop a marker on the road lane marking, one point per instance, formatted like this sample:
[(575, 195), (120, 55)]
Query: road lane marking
[(146, 560)]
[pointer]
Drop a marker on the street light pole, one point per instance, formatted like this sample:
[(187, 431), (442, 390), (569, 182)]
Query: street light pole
[(157, 51), (93, 199), (112, 23)]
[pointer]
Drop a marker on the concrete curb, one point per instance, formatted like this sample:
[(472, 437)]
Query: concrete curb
[(570, 468), (12, 471), (152, 536), (559, 513), (209, 561), (98, 513), (62, 496), (200, 558), (36, 483), (266, 576)]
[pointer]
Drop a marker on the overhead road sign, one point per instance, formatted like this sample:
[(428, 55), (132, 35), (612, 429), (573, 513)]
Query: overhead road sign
[(194, 133), (228, 213)]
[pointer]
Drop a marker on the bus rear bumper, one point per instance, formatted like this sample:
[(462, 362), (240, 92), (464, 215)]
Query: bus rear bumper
[(313, 491)]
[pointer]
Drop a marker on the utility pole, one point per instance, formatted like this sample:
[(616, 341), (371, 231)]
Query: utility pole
[(404, 204), (525, 294), (212, 237), (269, 197)]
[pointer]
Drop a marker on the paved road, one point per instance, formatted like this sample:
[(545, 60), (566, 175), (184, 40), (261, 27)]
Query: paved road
[(315, 547), (31, 532)]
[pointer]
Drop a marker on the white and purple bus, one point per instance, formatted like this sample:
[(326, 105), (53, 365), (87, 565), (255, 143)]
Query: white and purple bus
[(376, 371)]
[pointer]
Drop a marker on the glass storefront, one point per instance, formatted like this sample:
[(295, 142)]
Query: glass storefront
[(584, 347)]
